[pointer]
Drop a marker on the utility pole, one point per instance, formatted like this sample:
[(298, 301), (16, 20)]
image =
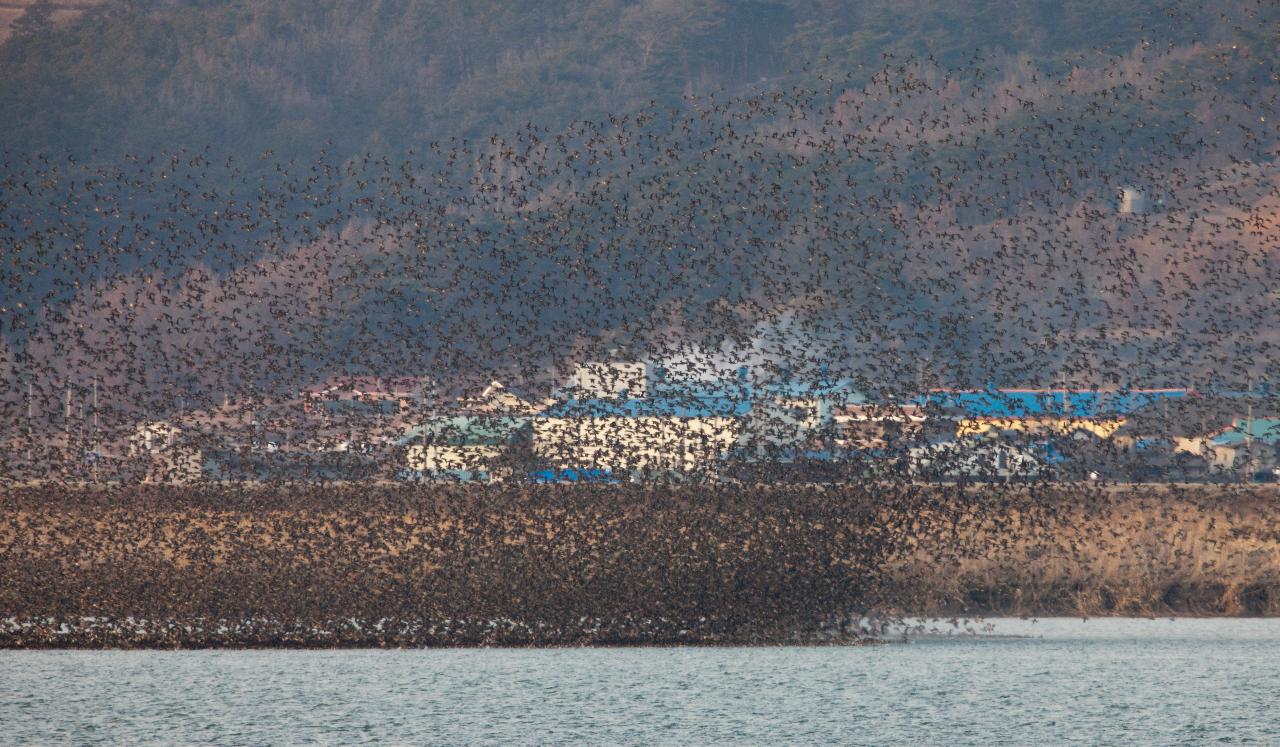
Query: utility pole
[(66, 431), (79, 450), (31, 433), (96, 455), (1248, 429), (1248, 424)]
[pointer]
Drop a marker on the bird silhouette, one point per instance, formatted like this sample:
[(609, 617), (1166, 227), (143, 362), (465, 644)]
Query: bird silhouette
[(887, 321)]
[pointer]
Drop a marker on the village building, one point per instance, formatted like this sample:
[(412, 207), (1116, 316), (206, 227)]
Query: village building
[(1093, 413), (498, 399), (151, 436), (975, 460), (163, 454), (468, 448), (1249, 444), (635, 438), (876, 426), (1102, 428), (789, 418), (607, 380), (365, 395)]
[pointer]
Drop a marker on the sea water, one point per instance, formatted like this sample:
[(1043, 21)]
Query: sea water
[(1101, 681)]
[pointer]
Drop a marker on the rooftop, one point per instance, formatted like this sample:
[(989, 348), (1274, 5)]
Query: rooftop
[(1009, 403), (1263, 430)]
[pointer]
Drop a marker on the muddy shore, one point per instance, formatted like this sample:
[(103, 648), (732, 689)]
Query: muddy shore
[(352, 565)]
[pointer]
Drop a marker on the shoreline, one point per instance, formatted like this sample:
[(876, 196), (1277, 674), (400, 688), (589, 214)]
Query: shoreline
[(942, 630)]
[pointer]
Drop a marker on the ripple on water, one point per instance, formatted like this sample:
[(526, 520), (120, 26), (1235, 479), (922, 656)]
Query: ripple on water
[(1117, 681)]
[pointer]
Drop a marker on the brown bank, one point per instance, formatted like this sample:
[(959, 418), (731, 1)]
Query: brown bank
[(374, 565)]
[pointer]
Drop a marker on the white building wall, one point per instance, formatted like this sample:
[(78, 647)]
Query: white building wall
[(441, 458), (622, 444)]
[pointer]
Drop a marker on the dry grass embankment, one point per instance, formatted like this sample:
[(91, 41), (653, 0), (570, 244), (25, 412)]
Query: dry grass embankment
[(1141, 551), (376, 566)]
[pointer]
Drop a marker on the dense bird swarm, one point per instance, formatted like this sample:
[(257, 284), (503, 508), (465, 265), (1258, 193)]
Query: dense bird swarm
[(163, 567), (901, 223), (908, 224)]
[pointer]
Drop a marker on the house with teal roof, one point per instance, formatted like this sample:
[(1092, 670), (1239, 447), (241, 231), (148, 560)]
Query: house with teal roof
[(1251, 440)]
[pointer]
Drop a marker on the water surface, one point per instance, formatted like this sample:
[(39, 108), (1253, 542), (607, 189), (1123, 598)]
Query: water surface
[(1069, 682)]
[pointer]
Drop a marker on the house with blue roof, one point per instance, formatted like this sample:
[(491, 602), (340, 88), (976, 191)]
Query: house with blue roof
[(788, 418), (1249, 430), (1080, 413), (1021, 403), (629, 420)]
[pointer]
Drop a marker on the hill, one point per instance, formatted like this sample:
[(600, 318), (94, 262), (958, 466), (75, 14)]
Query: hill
[(252, 75), (202, 195)]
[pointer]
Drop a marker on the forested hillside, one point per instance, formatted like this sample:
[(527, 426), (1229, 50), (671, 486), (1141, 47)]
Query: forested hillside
[(202, 195), (287, 75)]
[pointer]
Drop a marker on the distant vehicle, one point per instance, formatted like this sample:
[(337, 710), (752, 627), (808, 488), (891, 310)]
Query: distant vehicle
[(1267, 475)]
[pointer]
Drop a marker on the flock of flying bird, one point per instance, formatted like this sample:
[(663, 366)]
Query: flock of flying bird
[(1110, 223), (921, 228), (921, 219)]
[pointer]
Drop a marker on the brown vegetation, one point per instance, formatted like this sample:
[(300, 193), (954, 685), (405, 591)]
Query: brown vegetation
[(378, 566), (1140, 551)]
